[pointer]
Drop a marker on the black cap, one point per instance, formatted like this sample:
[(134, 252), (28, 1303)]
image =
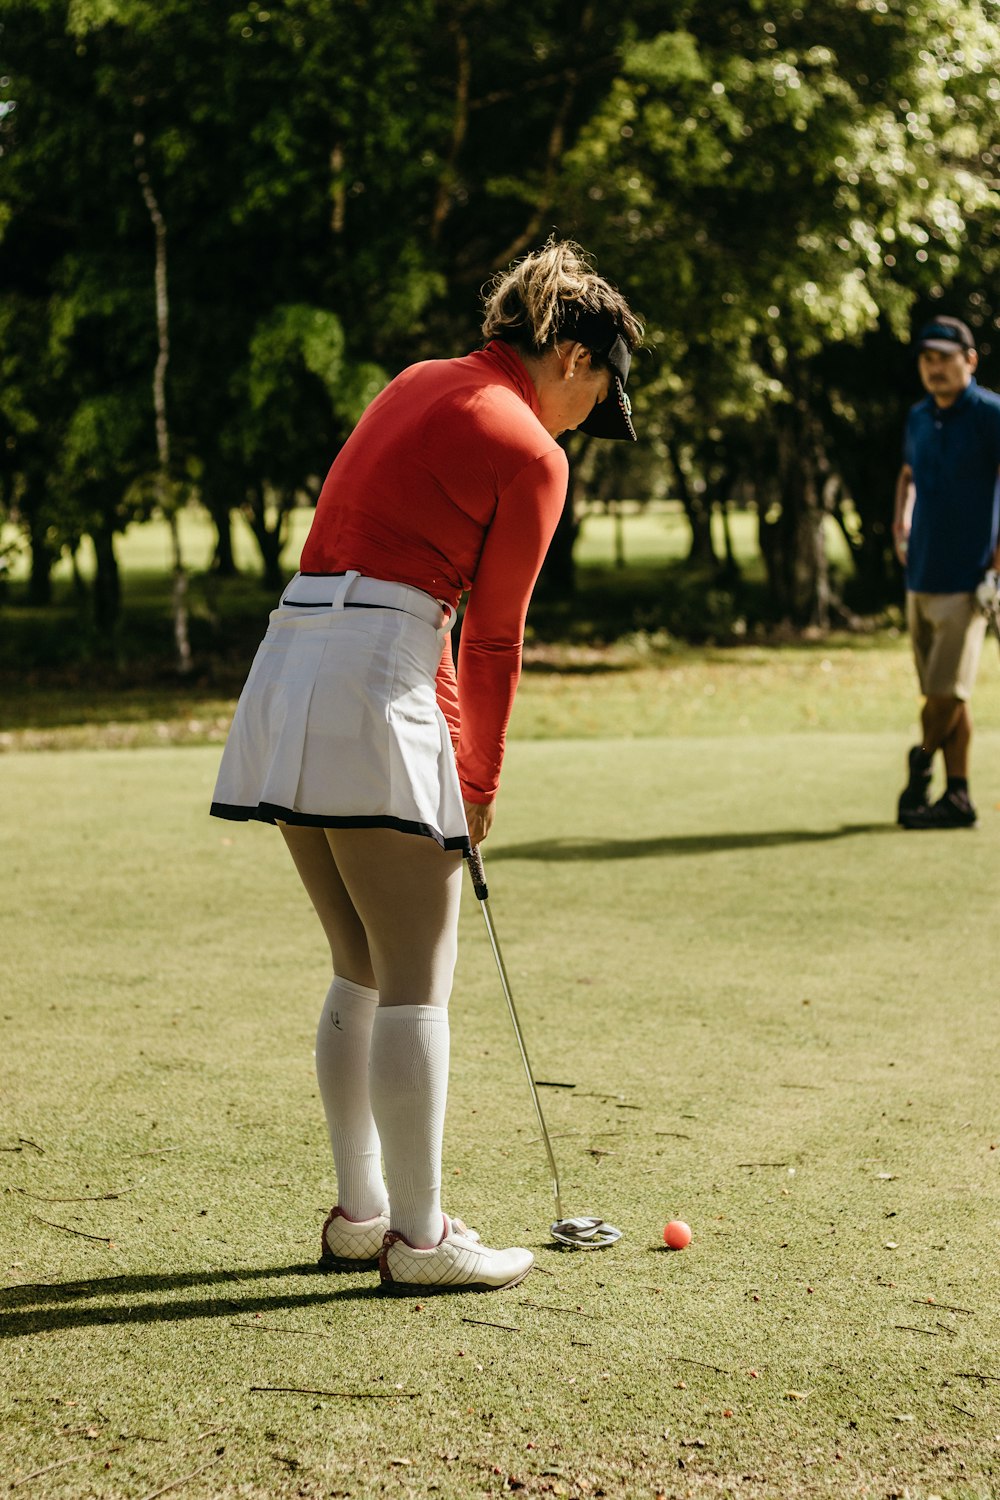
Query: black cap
[(612, 417), (946, 334)]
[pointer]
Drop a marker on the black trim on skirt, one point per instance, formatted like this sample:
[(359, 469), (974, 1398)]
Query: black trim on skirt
[(269, 812)]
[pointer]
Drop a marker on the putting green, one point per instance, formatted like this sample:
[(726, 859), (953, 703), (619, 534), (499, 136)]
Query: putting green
[(775, 1017)]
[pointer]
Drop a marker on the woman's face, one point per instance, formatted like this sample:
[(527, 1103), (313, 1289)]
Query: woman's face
[(568, 389)]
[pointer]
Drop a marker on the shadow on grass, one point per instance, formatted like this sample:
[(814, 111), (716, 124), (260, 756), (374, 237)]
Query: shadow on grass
[(51, 1307), (554, 666), (559, 851)]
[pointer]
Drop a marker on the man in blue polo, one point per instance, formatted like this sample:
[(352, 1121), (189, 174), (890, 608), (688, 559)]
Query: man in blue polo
[(946, 532)]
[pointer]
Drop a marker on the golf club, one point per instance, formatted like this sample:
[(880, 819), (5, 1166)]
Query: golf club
[(585, 1232), (988, 597)]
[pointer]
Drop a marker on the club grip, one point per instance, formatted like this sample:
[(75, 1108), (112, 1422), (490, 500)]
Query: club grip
[(474, 860)]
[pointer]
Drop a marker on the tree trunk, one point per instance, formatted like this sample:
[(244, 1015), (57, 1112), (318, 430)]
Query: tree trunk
[(459, 129), (80, 589), (223, 558), (178, 599), (215, 493), (338, 189), (167, 495), (697, 510), (618, 521), (869, 472), (792, 523), (42, 560), (270, 539), (107, 583), (731, 571)]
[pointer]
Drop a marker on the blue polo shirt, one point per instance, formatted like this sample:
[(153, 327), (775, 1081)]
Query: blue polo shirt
[(954, 453)]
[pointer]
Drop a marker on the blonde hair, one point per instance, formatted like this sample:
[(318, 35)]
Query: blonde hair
[(536, 298)]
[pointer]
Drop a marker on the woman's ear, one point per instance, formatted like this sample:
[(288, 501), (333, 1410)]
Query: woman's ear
[(578, 358)]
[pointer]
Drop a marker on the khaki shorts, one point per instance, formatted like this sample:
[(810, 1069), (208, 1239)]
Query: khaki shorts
[(947, 631)]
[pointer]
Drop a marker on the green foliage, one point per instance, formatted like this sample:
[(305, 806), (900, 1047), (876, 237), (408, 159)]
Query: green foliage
[(781, 189), (101, 437), (288, 335), (789, 182)]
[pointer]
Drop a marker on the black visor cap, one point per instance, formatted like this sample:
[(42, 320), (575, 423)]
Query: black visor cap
[(612, 417)]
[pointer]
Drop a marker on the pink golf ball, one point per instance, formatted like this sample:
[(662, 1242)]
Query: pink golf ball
[(677, 1235)]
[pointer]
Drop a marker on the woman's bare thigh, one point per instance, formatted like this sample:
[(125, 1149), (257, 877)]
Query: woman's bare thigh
[(345, 932), (406, 891)]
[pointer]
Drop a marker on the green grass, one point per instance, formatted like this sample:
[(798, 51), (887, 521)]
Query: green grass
[(778, 1013)]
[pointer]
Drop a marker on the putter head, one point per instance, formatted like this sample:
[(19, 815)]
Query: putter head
[(585, 1233)]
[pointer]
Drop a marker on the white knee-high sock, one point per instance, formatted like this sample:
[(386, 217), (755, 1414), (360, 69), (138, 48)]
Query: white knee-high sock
[(409, 1090), (343, 1041)]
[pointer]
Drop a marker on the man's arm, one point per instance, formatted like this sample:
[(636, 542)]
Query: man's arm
[(902, 515)]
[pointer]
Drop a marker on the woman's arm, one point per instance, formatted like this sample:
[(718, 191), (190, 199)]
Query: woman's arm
[(489, 664)]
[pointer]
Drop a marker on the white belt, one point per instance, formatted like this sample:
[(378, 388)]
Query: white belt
[(352, 591)]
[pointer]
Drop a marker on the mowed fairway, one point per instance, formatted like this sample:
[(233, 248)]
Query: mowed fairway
[(776, 1017)]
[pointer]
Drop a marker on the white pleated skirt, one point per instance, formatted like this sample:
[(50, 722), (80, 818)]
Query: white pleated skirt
[(338, 724)]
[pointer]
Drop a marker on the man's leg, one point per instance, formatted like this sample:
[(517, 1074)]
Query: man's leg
[(941, 720), (957, 742), (915, 794), (948, 672)]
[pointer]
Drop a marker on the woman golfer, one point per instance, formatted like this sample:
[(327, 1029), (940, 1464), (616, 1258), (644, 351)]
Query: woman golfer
[(353, 735)]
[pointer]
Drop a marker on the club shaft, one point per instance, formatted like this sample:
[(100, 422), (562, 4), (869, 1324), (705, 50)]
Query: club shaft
[(494, 944)]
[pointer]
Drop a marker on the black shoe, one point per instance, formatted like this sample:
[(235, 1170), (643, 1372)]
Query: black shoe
[(913, 797), (953, 810)]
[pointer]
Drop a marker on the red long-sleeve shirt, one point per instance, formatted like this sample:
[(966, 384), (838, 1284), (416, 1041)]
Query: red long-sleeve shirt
[(450, 483)]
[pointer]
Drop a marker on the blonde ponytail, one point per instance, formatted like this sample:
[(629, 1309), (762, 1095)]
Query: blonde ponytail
[(534, 300)]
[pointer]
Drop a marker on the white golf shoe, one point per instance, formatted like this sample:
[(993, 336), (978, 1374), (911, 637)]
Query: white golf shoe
[(461, 1263), (352, 1244)]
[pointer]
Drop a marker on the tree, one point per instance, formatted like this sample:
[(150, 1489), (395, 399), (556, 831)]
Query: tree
[(781, 189), (74, 440), (295, 378), (784, 178)]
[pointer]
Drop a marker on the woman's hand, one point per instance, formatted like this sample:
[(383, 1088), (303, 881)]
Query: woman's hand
[(479, 816)]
